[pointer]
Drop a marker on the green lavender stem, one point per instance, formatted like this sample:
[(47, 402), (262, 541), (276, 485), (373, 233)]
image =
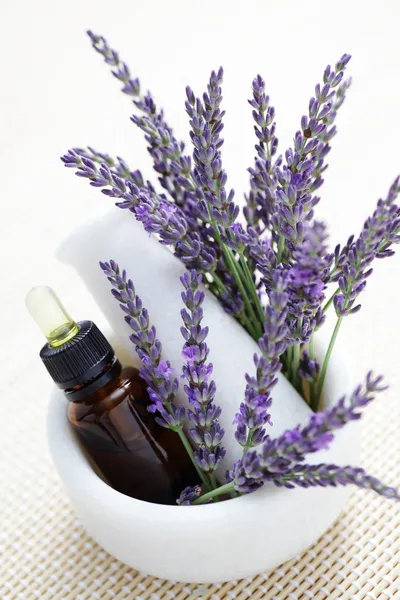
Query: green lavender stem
[(289, 359), (189, 450), (224, 489), (255, 329), (321, 378), (281, 247), (311, 347), (296, 362), (243, 319), (231, 263), (311, 354), (252, 289), (296, 358)]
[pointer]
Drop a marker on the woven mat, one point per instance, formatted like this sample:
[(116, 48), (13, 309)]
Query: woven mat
[(45, 553)]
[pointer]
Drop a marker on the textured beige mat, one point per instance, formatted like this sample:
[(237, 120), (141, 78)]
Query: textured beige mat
[(46, 554)]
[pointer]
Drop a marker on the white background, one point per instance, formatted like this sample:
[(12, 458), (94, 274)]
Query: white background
[(56, 92)]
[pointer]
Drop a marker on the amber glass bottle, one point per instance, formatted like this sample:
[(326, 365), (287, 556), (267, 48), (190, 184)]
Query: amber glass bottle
[(134, 454), (108, 408)]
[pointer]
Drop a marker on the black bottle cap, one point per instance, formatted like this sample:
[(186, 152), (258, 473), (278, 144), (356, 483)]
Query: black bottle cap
[(80, 359)]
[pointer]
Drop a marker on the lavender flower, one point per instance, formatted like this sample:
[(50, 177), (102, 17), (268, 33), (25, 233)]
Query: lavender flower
[(122, 72), (293, 445), (206, 125), (206, 432), (260, 202), (158, 374), (301, 175), (253, 414), (281, 459), (308, 275), (353, 262), (167, 154), (308, 368), (157, 214), (249, 474), (188, 495), (102, 171), (325, 475)]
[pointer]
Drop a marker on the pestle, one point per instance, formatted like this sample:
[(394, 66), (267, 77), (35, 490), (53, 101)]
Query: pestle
[(155, 272)]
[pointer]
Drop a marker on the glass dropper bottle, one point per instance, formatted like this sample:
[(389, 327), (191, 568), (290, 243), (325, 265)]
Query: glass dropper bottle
[(108, 407)]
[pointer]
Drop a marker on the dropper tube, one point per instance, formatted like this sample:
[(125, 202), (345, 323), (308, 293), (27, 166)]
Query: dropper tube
[(50, 315)]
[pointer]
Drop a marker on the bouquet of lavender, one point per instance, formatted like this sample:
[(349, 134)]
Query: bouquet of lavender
[(271, 270)]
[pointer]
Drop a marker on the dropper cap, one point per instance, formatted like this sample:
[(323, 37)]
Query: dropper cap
[(76, 353), (47, 311)]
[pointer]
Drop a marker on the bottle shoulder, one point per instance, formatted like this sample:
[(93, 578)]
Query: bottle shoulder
[(128, 384)]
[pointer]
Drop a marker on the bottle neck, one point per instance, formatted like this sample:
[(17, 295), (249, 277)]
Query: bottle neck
[(80, 391)]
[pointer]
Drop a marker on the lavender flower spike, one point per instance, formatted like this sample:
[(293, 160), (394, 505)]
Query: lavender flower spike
[(210, 178), (308, 275), (260, 202), (102, 171), (353, 261), (323, 475), (293, 445), (111, 57), (206, 432), (249, 474), (253, 414), (166, 151), (158, 374), (281, 460), (301, 175)]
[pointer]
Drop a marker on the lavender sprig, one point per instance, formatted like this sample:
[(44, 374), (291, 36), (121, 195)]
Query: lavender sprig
[(260, 202), (209, 176), (206, 432), (308, 276), (325, 475), (249, 474), (103, 171), (281, 460), (111, 57), (192, 243), (353, 265), (156, 213), (375, 240), (295, 444), (301, 175), (158, 373), (253, 414), (168, 158), (215, 205)]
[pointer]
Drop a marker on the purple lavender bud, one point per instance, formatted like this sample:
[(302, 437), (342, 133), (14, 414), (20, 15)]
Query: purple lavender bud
[(308, 368), (342, 63), (247, 473), (188, 495)]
